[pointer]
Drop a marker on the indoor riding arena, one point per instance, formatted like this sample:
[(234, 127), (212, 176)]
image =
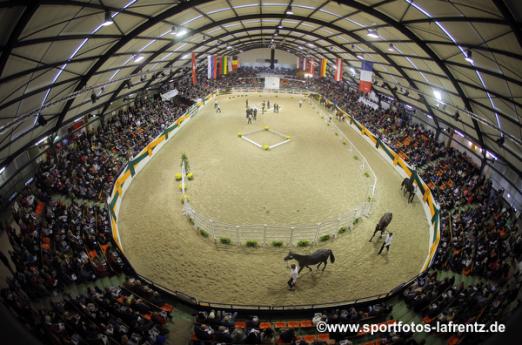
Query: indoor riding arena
[(309, 179), (229, 172)]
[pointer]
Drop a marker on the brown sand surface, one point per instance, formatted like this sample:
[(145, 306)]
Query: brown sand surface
[(304, 181)]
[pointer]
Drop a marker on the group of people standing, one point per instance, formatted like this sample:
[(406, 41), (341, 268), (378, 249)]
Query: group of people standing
[(251, 114)]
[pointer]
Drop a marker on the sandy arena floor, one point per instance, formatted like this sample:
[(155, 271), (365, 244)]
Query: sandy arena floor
[(304, 181)]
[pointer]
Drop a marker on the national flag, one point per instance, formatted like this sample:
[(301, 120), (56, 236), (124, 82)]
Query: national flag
[(219, 63), (324, 62), (214, 67), (210, 61), (311, 66), (365, 82), (338, 76), (194, 69), (224, 65), (235, 63)]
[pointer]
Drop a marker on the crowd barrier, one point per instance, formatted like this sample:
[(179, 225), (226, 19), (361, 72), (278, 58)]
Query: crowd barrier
[(136, 164)]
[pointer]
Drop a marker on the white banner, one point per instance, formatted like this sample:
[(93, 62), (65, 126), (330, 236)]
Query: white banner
[(170, 94)]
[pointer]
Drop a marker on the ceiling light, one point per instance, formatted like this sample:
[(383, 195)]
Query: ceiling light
[(181, 32), (500, 140), (437, 95), (391, 47), (373, 33), (2, 169), (280, 26), (139, 58), (468, 57), (289, 10), (108, 19), (229, 47), (360, 57)]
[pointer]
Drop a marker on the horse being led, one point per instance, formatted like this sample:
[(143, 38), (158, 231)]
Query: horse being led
[(407, 186), (318, 257)]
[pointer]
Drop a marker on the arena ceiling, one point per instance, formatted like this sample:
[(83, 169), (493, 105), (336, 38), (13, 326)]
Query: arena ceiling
[(457, 61)]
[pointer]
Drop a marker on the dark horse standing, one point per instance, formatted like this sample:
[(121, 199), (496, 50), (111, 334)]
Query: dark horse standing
[(407, 186), (318, 257)]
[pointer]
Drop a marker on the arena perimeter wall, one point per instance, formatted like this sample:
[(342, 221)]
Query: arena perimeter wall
[(135, 165)]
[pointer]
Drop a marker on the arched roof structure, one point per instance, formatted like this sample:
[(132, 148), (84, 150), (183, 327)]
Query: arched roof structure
[(456, 61)]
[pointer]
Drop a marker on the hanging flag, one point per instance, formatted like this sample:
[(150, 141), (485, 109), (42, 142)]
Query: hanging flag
[(230, 65), (365, 82), (235, 63), (338, 76), (311, 66), (303, 66), (210, 74), (194, 80), (324, 62), (219, 62), (224, 65), (214, 67)]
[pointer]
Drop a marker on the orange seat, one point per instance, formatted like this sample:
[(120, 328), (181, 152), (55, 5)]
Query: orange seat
[(104, 247), (167, 308), (453, 340), (323, 336), (310, 338), (280, 324), (294, 324), (307, 324), (92, 254), (39, 208), (240, 324), (265, 325)]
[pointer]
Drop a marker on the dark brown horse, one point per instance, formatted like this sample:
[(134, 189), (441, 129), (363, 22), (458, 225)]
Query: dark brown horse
[(383, 223), (318, 257)]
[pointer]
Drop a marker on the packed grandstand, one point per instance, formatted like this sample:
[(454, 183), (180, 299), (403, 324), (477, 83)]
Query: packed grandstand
[(60, 234)]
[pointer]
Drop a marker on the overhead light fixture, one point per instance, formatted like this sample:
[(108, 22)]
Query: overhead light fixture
[(456, 116), (289, 10), (391, 47), (500, 140), (2, 169), (178, 31), (372, 33), (108, 19), (229, 47), (93, 97), (280, 26), (139, 58), (437, 95), (468, 56), (360, 57), (181, 32)]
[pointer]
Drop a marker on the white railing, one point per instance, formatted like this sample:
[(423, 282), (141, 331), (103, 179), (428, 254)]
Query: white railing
[(289, 234)]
